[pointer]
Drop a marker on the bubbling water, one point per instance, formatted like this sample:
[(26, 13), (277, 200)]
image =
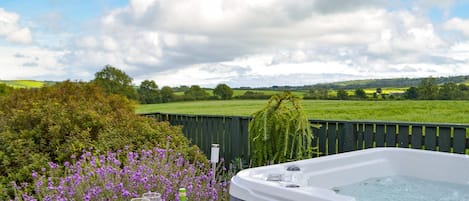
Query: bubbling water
[(402, 188)]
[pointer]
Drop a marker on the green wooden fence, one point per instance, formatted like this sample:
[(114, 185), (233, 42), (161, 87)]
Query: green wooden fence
[(231, 132)]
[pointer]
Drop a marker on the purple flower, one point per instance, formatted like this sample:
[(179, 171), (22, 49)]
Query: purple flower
[(34, 174), (125, 174), (52, 165)]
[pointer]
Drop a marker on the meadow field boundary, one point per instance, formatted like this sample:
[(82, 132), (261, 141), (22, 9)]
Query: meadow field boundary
[(436, 111)]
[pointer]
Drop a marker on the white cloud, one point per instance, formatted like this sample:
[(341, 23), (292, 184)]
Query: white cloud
[(458, 24), (10, 29), (175, 41), (31, 63), (246, 41)]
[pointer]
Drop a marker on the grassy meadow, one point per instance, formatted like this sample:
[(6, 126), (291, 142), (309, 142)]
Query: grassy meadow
[(409, 111), (23, 83)]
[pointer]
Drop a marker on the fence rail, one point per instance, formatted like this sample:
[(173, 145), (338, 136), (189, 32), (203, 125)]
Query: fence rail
[(231, 132)]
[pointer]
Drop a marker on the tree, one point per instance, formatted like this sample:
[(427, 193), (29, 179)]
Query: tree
[(115, 81), (428, 89), (360, 93), (280, 131), (342, 94), (196, 93), (379, 90), (411, 93), (223, 91), (148, 92), (317, 93), (167, 94), (463, 87), (449, 91)]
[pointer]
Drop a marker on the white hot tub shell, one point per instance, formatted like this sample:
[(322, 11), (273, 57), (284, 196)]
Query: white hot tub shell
[(314, 179)]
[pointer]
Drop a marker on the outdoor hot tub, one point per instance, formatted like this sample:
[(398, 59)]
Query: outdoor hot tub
[(325, 178)]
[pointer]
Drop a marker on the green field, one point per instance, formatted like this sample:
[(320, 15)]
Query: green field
[(23, 83), (409, 111), (239, 92)]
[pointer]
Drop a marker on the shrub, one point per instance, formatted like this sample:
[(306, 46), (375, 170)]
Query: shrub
[(55, 122), (253, 95), (280, 132)]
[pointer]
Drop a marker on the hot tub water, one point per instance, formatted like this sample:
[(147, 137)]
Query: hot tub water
[(402, 188)]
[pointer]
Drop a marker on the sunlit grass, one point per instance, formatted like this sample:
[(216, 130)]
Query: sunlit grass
[(23, 83), (410, 111)]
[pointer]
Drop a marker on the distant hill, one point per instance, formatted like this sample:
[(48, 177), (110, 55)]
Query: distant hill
[(26, 83), (374, 83), (395, 82)]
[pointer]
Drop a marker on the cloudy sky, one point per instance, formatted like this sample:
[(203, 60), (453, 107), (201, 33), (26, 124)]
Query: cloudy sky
[(238, 42)]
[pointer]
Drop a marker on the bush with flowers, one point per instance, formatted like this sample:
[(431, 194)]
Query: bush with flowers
[(123, 175), (53, 123)]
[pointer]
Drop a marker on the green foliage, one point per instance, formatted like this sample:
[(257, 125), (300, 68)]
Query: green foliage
[(411, 93), (360, 93), (115, 81), (148, 92), (379, 90), (167, 94), (223, 91), (342, 94), (280, 131), (450, 91), (389, 83), (5, 89), (428, 89), (254, 95), (317, 93), (196, 93), (53, 123)]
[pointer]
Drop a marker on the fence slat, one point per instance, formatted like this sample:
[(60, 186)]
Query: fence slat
[(227, 140), (235, 136), (444, 140), (331, 138), (340, 137), (380, 135), (369, 141), (200, 137), (350, 138), (322, 135), (403, 139), (390, 135), (417, 137), (430, 138), (459, 141), (244, 124), (360, 136)]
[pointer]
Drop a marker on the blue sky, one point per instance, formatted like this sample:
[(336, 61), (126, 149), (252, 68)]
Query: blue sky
[(238, 42), (75, 10)]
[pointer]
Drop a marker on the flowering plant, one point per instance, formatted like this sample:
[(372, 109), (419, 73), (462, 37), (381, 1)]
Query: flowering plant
[(123, 175)]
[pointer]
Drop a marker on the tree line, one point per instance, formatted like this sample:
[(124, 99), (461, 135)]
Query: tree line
[(427, 89), (115, 81)]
